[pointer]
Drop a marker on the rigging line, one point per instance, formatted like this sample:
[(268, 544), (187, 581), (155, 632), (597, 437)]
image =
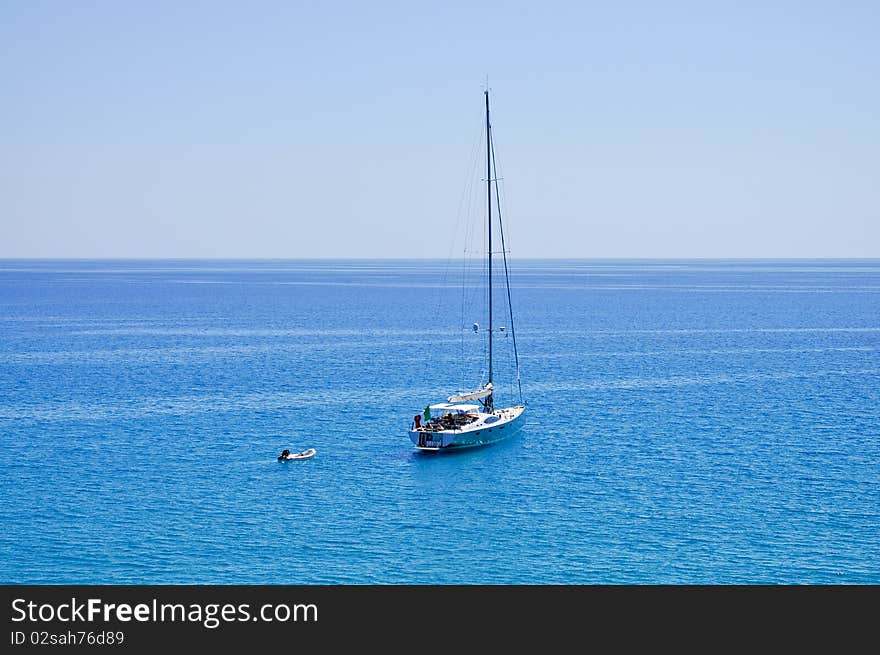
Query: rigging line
[(465, 210), (506, 272), (470, 292), (466, 190)]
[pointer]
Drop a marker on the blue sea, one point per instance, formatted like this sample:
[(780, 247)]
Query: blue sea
[(687, 422)]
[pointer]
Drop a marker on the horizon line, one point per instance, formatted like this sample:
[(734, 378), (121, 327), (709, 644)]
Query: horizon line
[(435, 259)]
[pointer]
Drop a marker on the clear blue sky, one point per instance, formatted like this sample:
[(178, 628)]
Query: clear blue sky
[(313, 129)]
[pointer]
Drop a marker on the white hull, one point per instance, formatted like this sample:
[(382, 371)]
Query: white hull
[(487, 429)]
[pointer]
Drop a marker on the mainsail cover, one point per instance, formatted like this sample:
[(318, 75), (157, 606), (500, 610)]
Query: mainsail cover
[(472, 395)]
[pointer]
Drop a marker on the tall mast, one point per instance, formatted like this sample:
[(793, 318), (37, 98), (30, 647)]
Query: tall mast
[(489, 199)]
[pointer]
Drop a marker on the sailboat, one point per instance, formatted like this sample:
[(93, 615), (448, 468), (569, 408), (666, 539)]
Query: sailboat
[(469, 419)]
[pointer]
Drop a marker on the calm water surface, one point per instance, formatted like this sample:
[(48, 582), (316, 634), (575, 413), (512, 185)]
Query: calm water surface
[(688, 422)]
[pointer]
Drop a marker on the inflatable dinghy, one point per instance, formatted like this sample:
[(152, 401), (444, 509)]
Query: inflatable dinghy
[(286, 456)]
